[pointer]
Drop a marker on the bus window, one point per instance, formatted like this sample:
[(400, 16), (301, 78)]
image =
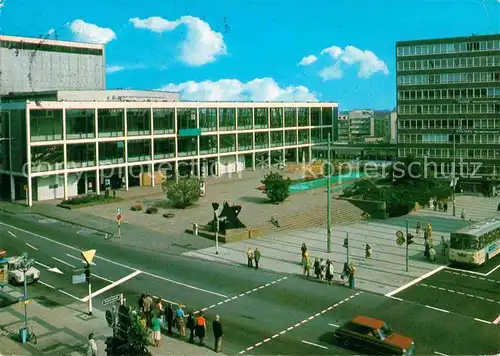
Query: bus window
[(456, 242), (471, 243)]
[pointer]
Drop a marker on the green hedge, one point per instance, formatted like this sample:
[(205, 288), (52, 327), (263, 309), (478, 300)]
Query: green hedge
[(90, 199)]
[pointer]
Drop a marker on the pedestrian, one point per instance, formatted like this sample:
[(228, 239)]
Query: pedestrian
[(426, 249), (498, 207), (148, 303), (156, 327), (345, 271), (303, 253), (306, 266), (250, 257), (256, 257), (91, 346), (322, 264), (180, 320), (158, 310), (444, 246), (445, 206), (191, 323), (141, 302), (329, 271), (419, 226), (368, 252), (170, 317), (201, 328), (218, 333), (352, 271), (432, 253), (317, 268)]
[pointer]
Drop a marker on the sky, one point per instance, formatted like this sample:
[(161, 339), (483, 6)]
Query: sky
[(274, 50)]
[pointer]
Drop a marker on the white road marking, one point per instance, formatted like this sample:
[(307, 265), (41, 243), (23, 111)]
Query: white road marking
[(440, 353), (113, 285), (493, 270), (334, 325), (79, 259), (268, 339), (497, 320), (466, 294), (313, 344), (63, 262), (60, 291), (304, 322), (110, 261), (396, 298), (31, 246), (41, 264), (415, 281), (465, 271), (11, 234), (104, 279), (482, 321), (438, 309)]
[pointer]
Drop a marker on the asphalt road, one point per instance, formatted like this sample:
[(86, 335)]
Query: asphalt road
[(262, 312)]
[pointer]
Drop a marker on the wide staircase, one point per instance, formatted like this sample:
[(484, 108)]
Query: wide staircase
[(343, 213)]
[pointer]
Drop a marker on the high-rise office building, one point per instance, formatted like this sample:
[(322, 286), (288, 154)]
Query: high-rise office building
[(448, 103)]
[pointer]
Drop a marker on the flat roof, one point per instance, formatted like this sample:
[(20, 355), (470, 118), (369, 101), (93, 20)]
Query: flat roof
[(472, 37), (72, 44)]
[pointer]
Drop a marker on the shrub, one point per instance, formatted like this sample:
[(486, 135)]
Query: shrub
[(87, 199), (168, 215), (277, 187), (183, 193), (151, 210), (138, 207)]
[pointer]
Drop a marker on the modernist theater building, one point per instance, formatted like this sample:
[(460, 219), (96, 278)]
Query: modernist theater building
[(65, 136)]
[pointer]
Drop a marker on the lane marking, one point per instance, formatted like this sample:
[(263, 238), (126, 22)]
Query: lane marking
[(482, 321), (31, 246), (229, 299), (313, 344), (493, 270), (268, 339), (497, 320), (396, 298), (415, 281), (60, 290), (438, 309), (108, 260), (11, 234), (113, 285), (63, 262), (334, 325), (465, 271), (41, 264), (104, 279), (302, 323), (79, 259), (466, 294), (440, 353)]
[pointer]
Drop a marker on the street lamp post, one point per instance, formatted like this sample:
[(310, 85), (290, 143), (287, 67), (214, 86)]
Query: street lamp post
[(24, 263), (453, 178), (215, 206), (329, 199)]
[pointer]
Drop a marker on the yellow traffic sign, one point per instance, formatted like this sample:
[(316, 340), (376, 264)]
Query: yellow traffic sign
[(88, 256), (25, 302), (400, 234), (400, 240)]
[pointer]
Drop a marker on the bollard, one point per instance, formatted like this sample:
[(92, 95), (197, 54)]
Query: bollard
[(195, 229)]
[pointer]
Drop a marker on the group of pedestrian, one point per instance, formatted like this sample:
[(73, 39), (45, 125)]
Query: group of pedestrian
[(324, 270), (439, 205), (155, 316), (253, 256)]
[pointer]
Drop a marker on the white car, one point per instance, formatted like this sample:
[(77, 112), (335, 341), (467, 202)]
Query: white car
[(16, 275)]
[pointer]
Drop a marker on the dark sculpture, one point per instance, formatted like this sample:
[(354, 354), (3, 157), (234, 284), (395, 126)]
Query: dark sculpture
[(228, 218)]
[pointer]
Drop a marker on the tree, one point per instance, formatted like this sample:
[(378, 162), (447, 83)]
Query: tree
[(183, 193), (131, 338), (277, 187)]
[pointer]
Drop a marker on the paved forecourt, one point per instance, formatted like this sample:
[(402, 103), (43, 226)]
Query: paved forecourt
[(384, 272)]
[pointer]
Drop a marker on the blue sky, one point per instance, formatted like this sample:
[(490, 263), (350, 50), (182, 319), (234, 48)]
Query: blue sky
[(251, 50)]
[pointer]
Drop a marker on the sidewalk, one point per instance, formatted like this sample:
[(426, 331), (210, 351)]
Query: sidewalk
[(63, 330), (384, 272)]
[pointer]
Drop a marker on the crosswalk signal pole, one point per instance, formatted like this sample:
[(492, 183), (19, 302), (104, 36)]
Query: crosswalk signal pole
[(88, 277), (329, 200), (407, 243)]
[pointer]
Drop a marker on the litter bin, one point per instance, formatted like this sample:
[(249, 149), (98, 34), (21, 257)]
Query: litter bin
[(195, 229), (23, 335)]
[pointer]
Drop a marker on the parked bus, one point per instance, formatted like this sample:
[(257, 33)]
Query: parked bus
[(477, 243)]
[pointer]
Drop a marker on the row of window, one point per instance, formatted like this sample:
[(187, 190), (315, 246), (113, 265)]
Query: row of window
[(448, 109), (47, 124), (440, 94), (477, 139), (47, 158), (443, 48), (487, 123), (449, 63), (449, 78), (44, 47), (465, 154)]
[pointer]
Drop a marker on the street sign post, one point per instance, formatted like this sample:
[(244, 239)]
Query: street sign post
[(78, 278), (119, 218), (119, 211), (113, 299), (400, 238), (88, 256)]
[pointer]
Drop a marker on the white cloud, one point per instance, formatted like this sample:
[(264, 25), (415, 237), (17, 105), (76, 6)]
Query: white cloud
[(202, 45), (88, 32), (51, 32), (368, 62), (155, 24), (308, 60), (259, 89), (114, 69)]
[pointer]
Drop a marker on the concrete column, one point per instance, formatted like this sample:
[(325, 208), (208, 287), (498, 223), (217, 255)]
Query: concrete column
[(218, 167), (253, 160), (126, 178), (176, 170), (269, 159), (97, 188), (12, 179), (125, 129), (86, 180), (151, 126), (12, 188), (28, 156), (98, 181), (152, 169), (176, 148), (65, 155), (198, 168), (297, 159)]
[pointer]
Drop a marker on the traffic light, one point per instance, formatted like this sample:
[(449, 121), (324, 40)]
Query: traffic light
[(87, 273), (409, 239), (124, 323), (346, 242)]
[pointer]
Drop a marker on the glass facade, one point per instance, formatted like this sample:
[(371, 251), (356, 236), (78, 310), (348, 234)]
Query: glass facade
[(208, 119), (111, 152), (245, 119), (111, 122), (138, 122), (81, 155), (80, 123), (447, 104), (164, 121), (46, 125), (227, 119)]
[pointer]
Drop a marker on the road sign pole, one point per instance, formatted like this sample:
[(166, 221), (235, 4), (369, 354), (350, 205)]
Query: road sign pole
[(25, 300), (407, 245), (119, 229), (347, 249), (121, 298), (90, 291), (329, 200), (216, 235)]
